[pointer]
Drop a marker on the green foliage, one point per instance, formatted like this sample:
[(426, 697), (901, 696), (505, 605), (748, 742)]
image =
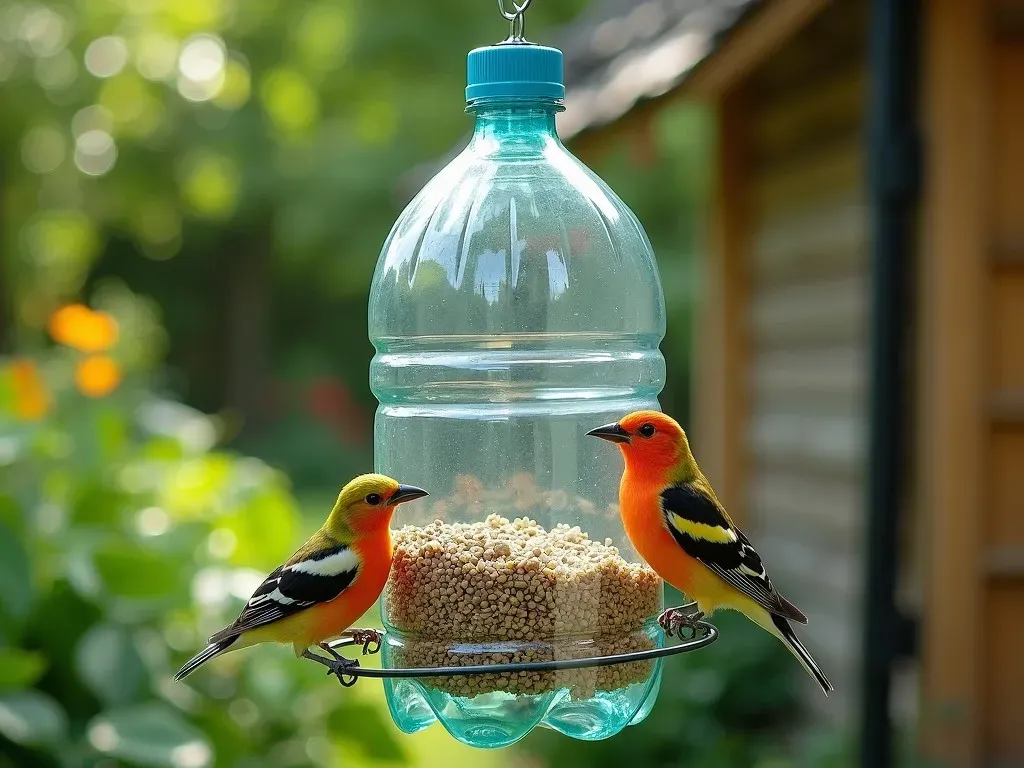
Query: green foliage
[(127, 537)]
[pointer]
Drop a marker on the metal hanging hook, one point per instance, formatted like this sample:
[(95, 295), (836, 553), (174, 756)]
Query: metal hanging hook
[(516, 20)]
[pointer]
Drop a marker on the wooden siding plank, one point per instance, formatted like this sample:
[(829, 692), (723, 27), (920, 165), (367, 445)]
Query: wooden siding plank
[(796, 182), (1005, 563), (827, 237), (829, 374), (811, 314), (721, 333), (1006, 489), (1004, 716), (798, 501), (1007, 146), (1006, 327), (828, 442), (950, 439), (810, 115)]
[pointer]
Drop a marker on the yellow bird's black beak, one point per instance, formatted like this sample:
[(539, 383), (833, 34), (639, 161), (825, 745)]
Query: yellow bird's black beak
[(407, 493), (613, 433)]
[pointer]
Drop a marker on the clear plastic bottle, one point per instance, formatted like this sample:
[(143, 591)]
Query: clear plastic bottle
[(516, 304)]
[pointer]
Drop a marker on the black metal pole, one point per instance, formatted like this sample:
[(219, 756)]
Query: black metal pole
[(892, 180)]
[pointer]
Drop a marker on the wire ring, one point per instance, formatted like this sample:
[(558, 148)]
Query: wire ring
[(710, 634)]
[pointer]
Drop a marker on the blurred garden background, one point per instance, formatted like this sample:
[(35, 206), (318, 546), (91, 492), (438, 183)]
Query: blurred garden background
[(193, 194)]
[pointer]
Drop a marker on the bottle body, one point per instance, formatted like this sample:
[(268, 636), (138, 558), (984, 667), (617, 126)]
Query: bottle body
[(516, 305)]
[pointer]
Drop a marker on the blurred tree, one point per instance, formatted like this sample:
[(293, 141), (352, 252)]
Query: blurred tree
[(235, 161)]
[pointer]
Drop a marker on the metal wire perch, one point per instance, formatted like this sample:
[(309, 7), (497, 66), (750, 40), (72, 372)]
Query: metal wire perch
[(516, 20), (700, 634)]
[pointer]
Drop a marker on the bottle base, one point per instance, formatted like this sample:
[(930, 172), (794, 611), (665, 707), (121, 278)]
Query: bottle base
[(499, 719)]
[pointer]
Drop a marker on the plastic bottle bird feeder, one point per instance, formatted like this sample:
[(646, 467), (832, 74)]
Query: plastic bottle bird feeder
[(516, 305)]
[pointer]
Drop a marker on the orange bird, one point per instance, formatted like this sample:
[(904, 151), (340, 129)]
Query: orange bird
[(677, 524), (331, 580)]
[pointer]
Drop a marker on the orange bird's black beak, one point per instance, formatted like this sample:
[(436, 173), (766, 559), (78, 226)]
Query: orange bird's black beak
[(613, 433)]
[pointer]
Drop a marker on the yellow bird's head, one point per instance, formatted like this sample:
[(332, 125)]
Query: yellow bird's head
[(366, 504)]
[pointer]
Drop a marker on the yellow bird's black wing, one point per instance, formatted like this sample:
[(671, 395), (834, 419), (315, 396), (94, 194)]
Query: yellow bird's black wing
[(700, 526), (310, 577)]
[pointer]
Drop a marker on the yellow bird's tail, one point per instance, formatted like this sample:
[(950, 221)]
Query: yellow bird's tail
[(209, 652)]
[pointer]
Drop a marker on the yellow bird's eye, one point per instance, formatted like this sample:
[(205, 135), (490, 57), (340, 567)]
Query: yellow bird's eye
[(647, 430), (373, 499)]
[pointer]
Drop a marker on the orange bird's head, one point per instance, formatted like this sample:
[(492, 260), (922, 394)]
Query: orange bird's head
[(652, 443)]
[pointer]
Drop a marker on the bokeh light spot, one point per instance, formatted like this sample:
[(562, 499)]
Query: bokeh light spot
[(104, 737), (210, 185), (221, 543), (43, 149), (152, 521), (79, 327), (97, 376), (127, 98), (201, 66), (289, 100), (323, 36), (92, 118), (193, 754), (236, 87), (62, 242), (44, 31), (31, 398), (95, 153), (106, 56), (376, 122), (156, 56), (157, 222), (57, 72)]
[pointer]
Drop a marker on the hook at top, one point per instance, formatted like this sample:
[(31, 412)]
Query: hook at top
[(516, 20)]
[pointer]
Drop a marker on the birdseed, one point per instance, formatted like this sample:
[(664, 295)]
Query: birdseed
[(529, 594)]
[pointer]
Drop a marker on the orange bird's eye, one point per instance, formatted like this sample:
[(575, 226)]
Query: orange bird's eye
[(373, 499), (647, 430)]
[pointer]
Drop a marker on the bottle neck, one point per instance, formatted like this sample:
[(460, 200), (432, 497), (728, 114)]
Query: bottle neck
[(517, 124)]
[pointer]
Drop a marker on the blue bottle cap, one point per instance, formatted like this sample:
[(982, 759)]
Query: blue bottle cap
[(514, 70)]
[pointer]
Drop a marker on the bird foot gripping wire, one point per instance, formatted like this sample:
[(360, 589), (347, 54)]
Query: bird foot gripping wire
[(338, 665), (675, 620)]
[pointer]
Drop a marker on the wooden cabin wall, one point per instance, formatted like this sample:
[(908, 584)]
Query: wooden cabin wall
[(971, 438), (806, 319)]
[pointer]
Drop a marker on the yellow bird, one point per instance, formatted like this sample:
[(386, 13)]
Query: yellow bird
[(331, 580)]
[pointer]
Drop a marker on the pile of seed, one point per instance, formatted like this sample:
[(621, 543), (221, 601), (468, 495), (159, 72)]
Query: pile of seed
[(529, 593)]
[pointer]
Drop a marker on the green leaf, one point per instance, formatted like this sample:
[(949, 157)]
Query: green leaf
[(16, 590), (362, 723), (31, 717), (108, 662), (151, 734), (98, 504), (20, 669), (10, 511), (134, 572)]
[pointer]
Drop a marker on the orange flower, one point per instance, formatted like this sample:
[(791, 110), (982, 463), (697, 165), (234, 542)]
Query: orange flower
[(77, 326), (31, 400), (97, 376)]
